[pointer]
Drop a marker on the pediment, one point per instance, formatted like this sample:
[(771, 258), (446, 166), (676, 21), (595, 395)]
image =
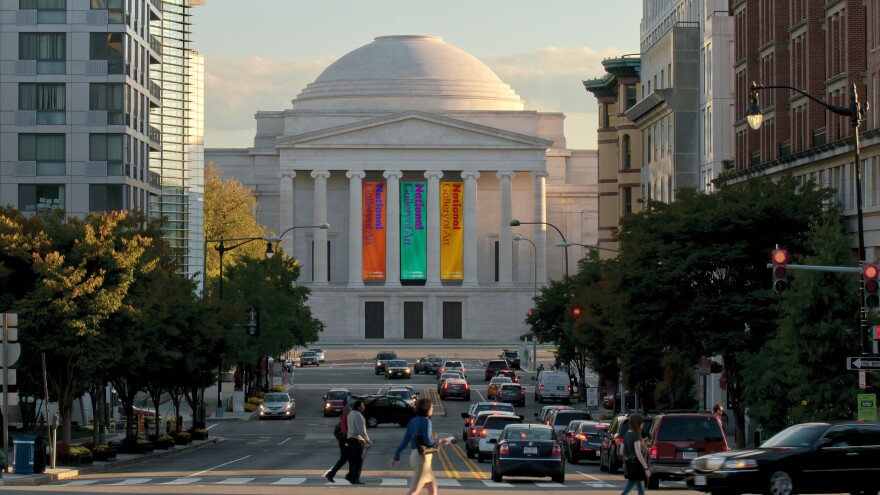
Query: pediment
[(413, 130)]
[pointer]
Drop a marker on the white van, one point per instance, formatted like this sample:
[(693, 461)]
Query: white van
[(553, 385)]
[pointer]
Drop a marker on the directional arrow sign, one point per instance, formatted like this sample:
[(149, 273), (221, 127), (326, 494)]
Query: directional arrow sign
[(862, 363)]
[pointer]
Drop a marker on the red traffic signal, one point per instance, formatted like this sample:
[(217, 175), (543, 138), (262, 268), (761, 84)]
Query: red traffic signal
[(876, 332), (780, 258), (576, 312), (870, 286)]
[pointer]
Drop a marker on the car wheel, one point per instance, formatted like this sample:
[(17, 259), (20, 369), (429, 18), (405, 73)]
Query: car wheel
[(572, 459), (372, 421), (540, 399), (318, 364), (468, 398), (602, 466), (469, 452), (292, 416), (780, 484), (377, 371), (559, 478), (495, 476), (653, 482), (262, 418)]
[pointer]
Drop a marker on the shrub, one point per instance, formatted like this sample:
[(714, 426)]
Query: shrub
[(278, 388), (250, 407), (261, 394), (89, 445), (184, 435), (254, 400), (77, 451)]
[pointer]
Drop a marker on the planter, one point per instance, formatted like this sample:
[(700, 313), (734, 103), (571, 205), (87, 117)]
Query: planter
[(163, 445), (80, 460), (106, 456), (196, 435), (181, 440)]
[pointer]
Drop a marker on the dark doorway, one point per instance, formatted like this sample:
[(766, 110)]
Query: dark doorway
[(451, 320), (374, 320), (412, 320)]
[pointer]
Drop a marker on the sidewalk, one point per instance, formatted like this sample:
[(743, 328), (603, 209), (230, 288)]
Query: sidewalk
[(65, 472)]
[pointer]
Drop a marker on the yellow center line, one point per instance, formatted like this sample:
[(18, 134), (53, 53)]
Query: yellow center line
[(472, 466)]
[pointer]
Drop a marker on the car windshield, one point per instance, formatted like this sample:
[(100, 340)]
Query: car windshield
[(337, 395), (276, 398), (387, 355), (316, 350), (494, 407), (690, 429), (446, 376), (528, 434), (434, 360), (453, 364), (397, 364), (308, 354), (500, 379), (403, 394), (498, 423), (796, 436), (565, 417), (510, 388)]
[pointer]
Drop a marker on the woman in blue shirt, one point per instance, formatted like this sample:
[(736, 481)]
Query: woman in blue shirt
[(423, 475)]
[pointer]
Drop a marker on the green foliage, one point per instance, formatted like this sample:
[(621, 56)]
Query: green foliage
[(676, 390)]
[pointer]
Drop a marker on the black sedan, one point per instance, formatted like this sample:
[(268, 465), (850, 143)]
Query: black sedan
[(527, 450), (397, 368), (386, 409), (804, 458)]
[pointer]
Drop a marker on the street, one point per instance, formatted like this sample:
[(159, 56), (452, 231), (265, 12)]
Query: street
[(278, 456)]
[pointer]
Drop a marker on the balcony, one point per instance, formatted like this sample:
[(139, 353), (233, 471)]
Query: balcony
[(155, 89), (155, 50)]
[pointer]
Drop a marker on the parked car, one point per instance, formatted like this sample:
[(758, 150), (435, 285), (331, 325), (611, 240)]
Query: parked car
[(451, 365), (397, 368), (678, 438), (512, 358), (493, 366), (455, 387), (613, 401), (553, 385), (428, 364), (495, 385), (542, 415), (387, 409), (560, 418), (509, 374), (513, 393), (308, 358), (404, 392), (319, 352), (479, 407), (490, 429), (527, 450), (382, 359), (277, 405), (583, 440), (335, 400), (608, 458), (804, 458)]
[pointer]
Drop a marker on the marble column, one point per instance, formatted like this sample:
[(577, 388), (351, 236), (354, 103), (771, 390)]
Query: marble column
[(320, 252), (433, 222), (355, 227), (392, 227), (285, 205), (539, 214), (505, 242), (470, 228)]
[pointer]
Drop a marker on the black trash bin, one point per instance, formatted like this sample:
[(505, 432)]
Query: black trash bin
[(39, 455)]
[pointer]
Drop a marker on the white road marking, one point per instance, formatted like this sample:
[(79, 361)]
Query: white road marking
[(131, 481), (284, 441), (492, 484), (549, 485), (235, 481), (588, 475), (220, 466), (182, 481), (394, 482), (447, 482), (289, 481), (79, 482)]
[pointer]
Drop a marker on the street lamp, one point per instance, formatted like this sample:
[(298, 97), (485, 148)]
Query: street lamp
[(276, 240), (517, 223), (518, 237), (588, 246), (856, 112)]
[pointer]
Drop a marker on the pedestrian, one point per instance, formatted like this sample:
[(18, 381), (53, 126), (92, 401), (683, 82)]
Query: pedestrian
[(342, 440), (420, 425), (358, 442), (635, 467)]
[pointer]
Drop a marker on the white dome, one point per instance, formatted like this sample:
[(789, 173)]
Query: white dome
[(408, 73)]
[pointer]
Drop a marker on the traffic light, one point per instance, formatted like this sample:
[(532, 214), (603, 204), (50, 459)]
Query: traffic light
[(875, 332), (253, 322), (870, 298), (576, 312), (780, 258)]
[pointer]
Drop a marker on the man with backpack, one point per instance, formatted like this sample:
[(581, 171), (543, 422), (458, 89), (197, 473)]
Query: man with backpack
[(340, 431)]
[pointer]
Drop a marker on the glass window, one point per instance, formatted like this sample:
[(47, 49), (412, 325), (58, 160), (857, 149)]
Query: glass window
[(48, 11), (115, 10), (630, 96), (109, 97), (48, 150), (109, 47), (107, 148), (41, 46), (40, 197), (105, 197), (627, 152), (47, 99)]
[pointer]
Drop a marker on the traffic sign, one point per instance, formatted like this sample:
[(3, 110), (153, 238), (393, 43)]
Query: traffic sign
[(862, 363), (592, 397), (867, 407)]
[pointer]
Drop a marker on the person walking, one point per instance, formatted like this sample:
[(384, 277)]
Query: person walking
[(343, 444), (635, 465), (358, 442), (420, 425)]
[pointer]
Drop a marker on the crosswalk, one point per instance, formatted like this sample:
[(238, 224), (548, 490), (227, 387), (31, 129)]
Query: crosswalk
[(579, 484)]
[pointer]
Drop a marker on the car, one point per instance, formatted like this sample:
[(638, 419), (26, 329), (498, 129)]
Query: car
[(335, 400), (559, 419), (455, 387), (478, 407), (512, 358), (397, 368), (308, 358), (443, 377), (527, 450), (804, 458), (487, 430), (553, 385), (582, 440), (509, 374), (406, 393), (277, 405), (541, 416), (382, 359), (495, 386), (319, 352), (427, 365), (513, 393), (613, 401), (385, 409), (676, 439), (451, 365), (608, 458), (493, 366)]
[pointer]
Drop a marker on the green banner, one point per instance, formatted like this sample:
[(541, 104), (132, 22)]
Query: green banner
[(413, 231)]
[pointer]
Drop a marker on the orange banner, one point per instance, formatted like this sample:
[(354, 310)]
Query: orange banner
[(373, 212), (451, 231)]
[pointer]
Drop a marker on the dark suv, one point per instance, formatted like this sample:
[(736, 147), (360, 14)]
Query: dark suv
[(512, 358), (382, 359), (495, 365), (608, 459), (678, 438)]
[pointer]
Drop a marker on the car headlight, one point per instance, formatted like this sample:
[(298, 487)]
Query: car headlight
[(378, 363), (741, 464), (262, 407), (326, 405), (406, 370)]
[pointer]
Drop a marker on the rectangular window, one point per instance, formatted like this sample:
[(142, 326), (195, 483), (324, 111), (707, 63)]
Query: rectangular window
[(47, 99), (108, 46), (413, 320), (374, 320), (451, 319), (109, 97), (48, 49), (497, 262), (40, 197), (115, 10), (48, 150), (48, 11), (107, 148), (627, 200), (105, 197), (630, 96)]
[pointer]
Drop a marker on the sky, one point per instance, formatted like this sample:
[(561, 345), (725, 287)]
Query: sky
[(260, 54)]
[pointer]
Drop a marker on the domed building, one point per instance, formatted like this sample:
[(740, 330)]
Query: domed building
[(419, 157)]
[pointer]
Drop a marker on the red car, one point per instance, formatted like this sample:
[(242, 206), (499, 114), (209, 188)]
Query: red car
[(335, 400)]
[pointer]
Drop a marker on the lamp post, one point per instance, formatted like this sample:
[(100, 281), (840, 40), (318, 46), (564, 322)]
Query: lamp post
[(277, 240), (518, 237), (517, 223), (588, 246), (855, 111)]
